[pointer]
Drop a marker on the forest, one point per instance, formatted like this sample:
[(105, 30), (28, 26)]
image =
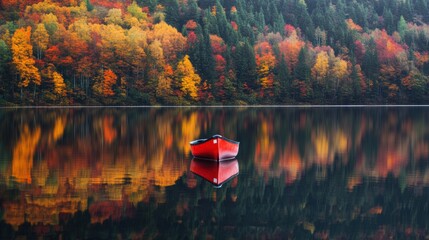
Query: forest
[(213, 52)]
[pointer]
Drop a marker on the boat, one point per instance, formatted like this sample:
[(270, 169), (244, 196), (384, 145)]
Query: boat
[(215, 148), (217, 173)]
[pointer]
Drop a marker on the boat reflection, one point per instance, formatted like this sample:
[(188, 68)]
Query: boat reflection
[(217, 173)]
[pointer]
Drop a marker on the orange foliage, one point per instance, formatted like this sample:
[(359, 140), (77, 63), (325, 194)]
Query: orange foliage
[(109, 80), (265, 63), (265, 148), (290, 48), (191, 25), (290, 162), (353, 26), (59, 126), (217, 44), (421, 58), (23, 59)]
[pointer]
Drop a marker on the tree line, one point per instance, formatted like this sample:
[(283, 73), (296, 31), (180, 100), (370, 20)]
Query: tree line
[(177, 52)]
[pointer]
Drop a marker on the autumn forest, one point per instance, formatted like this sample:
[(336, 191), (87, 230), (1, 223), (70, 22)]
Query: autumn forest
[(205, 52)]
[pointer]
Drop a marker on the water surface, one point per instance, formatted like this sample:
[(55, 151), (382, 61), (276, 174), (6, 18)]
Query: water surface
[(123, 173)]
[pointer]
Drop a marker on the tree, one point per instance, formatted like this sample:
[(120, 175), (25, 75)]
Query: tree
[(136, 11), (59, 85), (105, 82), (402, 27), (40, 39), (265, 63), (51, 23), (5, 57), (23, 59), (172, 41), (283, 77), (187, 77), (321, 67), (290, 47), (114, 16), (109, 80)]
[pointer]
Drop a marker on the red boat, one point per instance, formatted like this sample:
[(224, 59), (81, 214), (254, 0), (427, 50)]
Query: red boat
[(216, 148), (216, 173)]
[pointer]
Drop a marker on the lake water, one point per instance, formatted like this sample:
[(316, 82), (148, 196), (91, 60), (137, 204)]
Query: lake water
[(124, 173)]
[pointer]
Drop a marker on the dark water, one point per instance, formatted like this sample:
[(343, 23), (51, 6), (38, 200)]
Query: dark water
[(106, 173)]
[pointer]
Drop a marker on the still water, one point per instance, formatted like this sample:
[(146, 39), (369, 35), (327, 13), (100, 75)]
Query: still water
[(124, 173)]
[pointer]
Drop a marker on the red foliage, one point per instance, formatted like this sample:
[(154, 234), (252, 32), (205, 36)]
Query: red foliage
[(192, 38), (111, 3), (220, 64), (359, 50), (234, 25), (52, 54), (146, 9), (218, 45), (289, 29), (387, 48)]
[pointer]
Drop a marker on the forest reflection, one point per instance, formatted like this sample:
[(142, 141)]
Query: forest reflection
[(55, 163)]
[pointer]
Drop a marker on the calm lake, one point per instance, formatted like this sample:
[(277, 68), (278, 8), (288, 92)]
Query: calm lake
[(124, 173)]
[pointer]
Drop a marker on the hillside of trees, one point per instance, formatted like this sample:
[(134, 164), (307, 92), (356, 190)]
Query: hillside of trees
[(204, 52)]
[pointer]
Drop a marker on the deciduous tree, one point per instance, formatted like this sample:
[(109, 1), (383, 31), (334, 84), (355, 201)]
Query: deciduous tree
[(23, 59), (189, 80)]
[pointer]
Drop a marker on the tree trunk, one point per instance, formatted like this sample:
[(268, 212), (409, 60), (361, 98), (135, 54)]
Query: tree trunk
[(34, 92)]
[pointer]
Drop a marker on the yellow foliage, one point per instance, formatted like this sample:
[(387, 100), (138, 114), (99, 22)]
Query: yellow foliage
[(172, 41), (339, 70), (188, 79), (41, 39), (59, 85), (321, 67), (321, 147), (23, 58), (190, 131)]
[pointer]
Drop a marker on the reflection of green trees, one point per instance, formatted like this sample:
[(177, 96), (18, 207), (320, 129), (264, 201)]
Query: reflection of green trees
[(263, 203)]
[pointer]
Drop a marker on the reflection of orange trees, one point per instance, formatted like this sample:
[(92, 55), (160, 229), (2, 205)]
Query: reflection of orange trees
[(59, 126), (322, 155), (327, 144), (23, 153), (290, 162), (37, 207), (113, 210), (109, 132), (265, 147), (190, 130)]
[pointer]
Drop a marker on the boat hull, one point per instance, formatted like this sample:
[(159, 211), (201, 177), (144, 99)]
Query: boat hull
[(216, 148), (217, 173)]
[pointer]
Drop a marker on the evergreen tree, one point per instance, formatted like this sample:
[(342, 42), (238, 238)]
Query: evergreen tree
[(402, 27), (371, 67), (245, 65), (284, 80)]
